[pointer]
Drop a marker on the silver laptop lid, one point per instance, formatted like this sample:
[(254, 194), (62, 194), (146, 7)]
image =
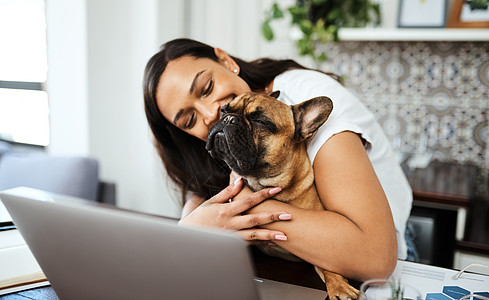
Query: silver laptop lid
[(93, 252)]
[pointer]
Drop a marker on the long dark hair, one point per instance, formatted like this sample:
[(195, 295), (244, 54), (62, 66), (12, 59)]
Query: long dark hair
[(184, 156)]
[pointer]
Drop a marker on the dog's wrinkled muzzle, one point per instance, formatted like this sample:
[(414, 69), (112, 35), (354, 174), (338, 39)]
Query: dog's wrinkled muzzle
[(230, 140)]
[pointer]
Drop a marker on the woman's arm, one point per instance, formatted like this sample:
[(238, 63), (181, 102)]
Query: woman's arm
[(355, 236)]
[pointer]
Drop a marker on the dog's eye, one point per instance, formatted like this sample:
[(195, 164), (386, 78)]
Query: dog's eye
[(269, 126), (260, 122), (257, 118)]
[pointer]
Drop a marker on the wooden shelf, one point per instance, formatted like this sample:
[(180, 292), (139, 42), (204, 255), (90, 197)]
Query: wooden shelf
[(413, 34)]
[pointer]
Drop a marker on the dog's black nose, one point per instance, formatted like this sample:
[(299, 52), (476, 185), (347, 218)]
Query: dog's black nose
[(230, 119), (224, 109)]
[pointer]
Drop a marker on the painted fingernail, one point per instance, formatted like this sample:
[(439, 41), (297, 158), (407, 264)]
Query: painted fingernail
[(237, 180), (280, 237), (285, 217), (274, 191)]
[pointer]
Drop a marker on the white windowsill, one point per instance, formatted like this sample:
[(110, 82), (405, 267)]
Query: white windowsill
[(413, 34)]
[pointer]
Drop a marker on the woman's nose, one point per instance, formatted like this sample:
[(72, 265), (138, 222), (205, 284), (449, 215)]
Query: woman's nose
[(210, 112)]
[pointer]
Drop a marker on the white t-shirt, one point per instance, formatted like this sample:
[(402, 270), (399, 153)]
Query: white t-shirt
[(349, 114)]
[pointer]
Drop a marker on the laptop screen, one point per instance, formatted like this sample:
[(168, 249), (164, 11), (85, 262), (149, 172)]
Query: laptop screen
[(95, 252)]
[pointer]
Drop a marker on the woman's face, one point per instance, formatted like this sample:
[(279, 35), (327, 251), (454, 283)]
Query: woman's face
[(191, 91)]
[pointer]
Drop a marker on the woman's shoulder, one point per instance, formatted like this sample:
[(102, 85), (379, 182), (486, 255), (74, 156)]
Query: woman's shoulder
[(303, 75), (302, 84)]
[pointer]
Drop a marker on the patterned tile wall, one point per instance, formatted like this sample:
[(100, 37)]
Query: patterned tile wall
[(430, 97)]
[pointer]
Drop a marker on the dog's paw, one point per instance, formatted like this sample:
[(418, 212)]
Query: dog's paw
[(337, 286), (342, 291)]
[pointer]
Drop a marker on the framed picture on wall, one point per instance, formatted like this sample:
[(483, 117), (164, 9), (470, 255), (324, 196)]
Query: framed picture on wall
[(466, 13), (422, 13)]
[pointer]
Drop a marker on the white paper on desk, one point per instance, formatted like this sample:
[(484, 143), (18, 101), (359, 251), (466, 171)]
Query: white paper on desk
[(17, 264), (435, 283), (11, 238), (17, 261)]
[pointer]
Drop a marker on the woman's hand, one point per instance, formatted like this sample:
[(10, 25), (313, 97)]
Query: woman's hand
[(220, 211)]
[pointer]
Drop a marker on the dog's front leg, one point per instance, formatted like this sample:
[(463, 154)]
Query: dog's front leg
[(337, 286)]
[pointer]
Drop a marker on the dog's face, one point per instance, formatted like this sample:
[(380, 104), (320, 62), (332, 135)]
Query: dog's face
[(257, 133)]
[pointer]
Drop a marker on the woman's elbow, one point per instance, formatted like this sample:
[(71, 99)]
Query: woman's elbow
[(383, 264), (386, 264)]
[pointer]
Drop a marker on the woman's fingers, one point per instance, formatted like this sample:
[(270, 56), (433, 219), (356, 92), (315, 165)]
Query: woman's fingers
[(228, 193), (218, 212), (255, 220), (243, 204), (257, 234)]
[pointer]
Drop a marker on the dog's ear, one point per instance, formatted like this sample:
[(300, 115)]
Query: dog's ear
[(310, 115), (275, 94)]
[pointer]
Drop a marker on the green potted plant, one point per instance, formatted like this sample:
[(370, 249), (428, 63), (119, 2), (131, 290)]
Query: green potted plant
[(478, 4), (320, 20)]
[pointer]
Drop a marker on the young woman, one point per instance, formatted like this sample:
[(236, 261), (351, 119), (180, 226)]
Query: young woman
[(366, 195)]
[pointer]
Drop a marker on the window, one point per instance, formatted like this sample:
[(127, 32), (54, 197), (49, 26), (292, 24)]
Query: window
[(24, 110)]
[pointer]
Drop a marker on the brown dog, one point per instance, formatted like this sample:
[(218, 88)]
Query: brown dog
[(264, 140)]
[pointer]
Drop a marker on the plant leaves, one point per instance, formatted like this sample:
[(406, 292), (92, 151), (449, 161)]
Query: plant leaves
[(298, 13), (334, 14), (267, 31), (322, 57), (305, 47), (277, 13), (318, 2), (306, 27), (320, 20)]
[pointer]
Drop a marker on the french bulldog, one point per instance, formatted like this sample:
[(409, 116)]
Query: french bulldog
[(264, 140)]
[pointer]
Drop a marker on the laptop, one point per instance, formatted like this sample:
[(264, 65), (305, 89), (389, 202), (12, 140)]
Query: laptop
[(92, 251)]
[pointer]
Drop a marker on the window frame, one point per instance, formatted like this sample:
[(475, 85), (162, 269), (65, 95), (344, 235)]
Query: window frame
[(22, 85)]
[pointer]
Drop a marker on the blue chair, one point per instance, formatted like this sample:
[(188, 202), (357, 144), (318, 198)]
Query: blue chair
[(4, 148), (68, 175)]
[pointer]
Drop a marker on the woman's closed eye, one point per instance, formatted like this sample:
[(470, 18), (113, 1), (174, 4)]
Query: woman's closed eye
[(190, 121), (208, 88)]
